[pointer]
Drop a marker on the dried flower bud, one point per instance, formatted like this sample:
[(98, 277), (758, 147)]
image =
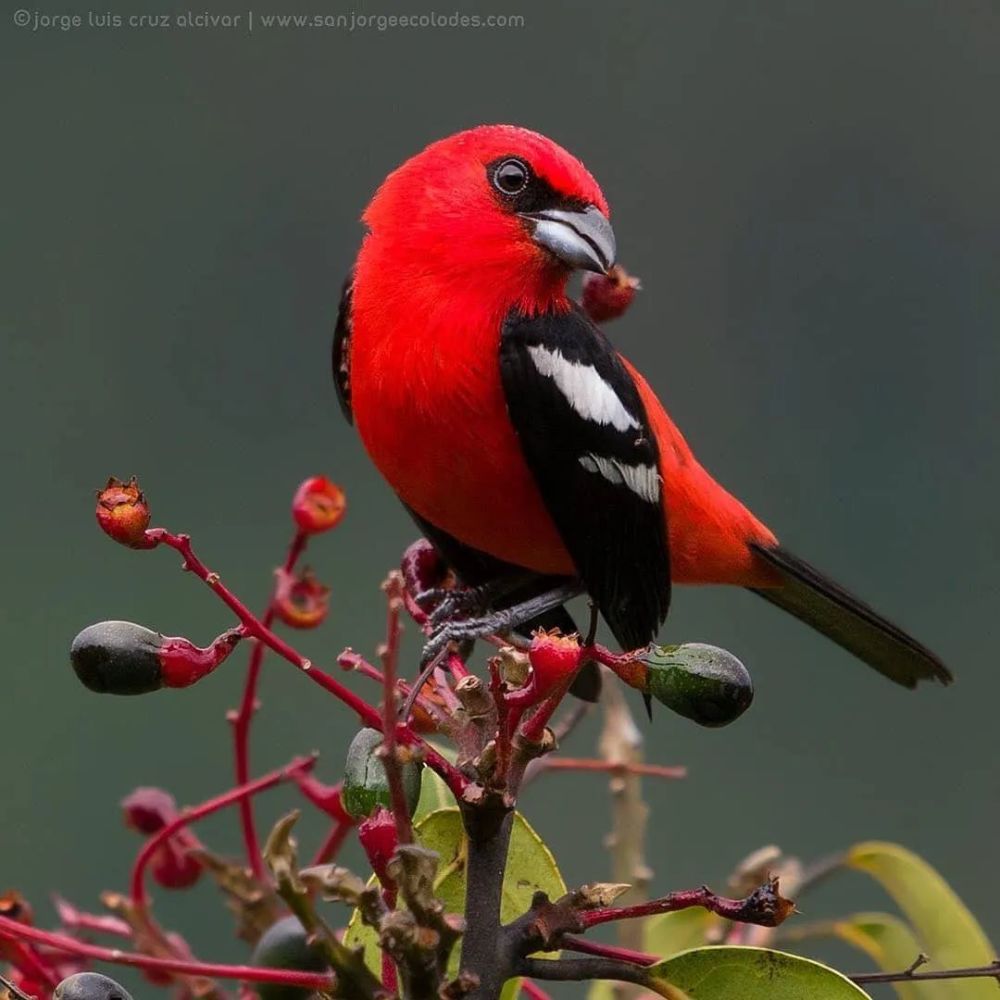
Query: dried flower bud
[(123, 514), (378, 837), (148, 810), (365, 783), (300, 601), (14, 906), (318, 505), (90, 986), (606, 297), (703, 683), (125, 658), (286, 945)]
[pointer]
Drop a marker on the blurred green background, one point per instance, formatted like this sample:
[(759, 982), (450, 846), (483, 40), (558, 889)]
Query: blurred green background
[(809, 192)]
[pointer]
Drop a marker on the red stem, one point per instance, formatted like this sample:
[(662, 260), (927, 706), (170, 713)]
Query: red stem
[(28, 962), (390, 661), (137, 889), (607, 951), (244, 715), (252, 626), (15, 931), (731, 909), (533, 992)]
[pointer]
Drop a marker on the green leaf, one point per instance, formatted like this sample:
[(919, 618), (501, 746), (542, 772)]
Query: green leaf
[(946, 930), (530, 869), (731, 973), (884, 938), (670, 933)]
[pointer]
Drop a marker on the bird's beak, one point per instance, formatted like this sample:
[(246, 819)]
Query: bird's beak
[(582, 239)]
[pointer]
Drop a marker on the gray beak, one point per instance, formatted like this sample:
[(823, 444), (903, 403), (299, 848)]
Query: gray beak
[(583, 240)]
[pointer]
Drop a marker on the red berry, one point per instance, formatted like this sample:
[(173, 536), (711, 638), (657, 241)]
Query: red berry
[(123, 513), (148, 809), (606, 297), (300, 601), (318, 505)]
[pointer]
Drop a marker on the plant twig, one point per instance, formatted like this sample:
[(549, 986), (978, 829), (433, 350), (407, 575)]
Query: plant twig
[(243, 716), (617, 769), (991, 971), (607, 950), (764, 906), (582, 969), (621, 747), (253, 628), (137, 890), (14, 931)]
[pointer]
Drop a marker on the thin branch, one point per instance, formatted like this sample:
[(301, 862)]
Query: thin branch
[(607, 950), (242, 718), (581, 969), (764, 906), (618, 769), (14, 931), (137, 890), (254, 628), (389, 753), (13, 990), (991, 971), (533, 992)]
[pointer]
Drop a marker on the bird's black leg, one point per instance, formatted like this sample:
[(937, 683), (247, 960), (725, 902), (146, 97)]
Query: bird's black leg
[(468, 602), (500, 621)]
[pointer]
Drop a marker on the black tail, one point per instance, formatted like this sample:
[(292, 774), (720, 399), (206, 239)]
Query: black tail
[(850, 623)]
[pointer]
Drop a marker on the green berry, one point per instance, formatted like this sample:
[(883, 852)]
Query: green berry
[(284, 945), (90, 986), (365, 784)]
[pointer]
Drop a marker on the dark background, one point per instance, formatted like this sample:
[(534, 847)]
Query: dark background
[(809, 192)]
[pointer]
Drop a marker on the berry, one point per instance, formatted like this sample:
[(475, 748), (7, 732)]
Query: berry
[(318, 505), (123, 513), (365, 784), (300, 601), (606, 297), (285, 945), (90, 986), (703, 683), (118, 658)]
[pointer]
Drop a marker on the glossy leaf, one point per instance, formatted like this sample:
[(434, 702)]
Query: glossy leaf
[(728, 973), (946, 930), (530, 869)]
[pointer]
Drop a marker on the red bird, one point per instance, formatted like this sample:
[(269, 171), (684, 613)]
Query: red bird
[(535, 458)]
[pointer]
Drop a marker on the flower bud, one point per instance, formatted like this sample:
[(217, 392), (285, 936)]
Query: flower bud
[(123, 514), (125, 658), (365, 783), (173, 867), (90, 986), (148, 810), (554, 660), (379, 840), (300, 601), (703, 683), (318, 505), (286, 945), (606, 297)]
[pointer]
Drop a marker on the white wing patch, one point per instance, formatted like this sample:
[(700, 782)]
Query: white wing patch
[(584, 389), (642, 480)]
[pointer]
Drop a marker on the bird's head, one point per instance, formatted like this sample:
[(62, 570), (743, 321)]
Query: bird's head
[(496, 205)]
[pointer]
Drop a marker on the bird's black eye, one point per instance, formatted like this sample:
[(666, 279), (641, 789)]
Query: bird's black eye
[(510, 177)]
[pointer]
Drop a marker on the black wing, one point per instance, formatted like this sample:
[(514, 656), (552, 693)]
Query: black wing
[(587, 440), (342, 350)]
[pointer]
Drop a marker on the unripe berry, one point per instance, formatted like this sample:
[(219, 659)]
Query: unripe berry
[(318, 505), (90, 986), (123, 513), (300, 601), (365, 784), (285, 945), (703, 683), (125, 658), (606, 297)]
